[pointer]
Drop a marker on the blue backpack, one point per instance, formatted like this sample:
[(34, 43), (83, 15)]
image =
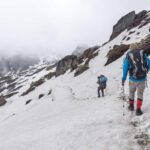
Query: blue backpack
[(102, 81)]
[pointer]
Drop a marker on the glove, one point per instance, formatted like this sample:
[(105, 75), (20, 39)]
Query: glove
[(123, 81)]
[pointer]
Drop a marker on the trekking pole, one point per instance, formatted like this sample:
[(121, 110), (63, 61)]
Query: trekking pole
[(123, 98), (146, 84)]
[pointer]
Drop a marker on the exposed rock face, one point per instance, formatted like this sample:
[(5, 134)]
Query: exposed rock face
[(122, 24), (82, 69), (119, 50), (73, 62), (12, 82), (10, 94), (85, 59), (130, 21), (68, 62), (33, 86), (145, 44), (50, 75), (116, 52), (11, 85), (51, 66), (89, 53), (140, 19), (2, 100)]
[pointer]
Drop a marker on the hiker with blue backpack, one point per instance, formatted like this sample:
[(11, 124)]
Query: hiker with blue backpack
[(137, 64), (102, 85)]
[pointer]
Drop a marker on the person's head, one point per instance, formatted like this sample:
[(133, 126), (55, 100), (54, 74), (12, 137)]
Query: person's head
[(134, 46)]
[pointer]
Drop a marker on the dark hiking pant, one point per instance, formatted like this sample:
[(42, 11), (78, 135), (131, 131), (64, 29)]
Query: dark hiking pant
[(100, 89)]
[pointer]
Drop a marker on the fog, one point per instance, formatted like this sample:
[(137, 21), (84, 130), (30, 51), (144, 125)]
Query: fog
[(52, 27)]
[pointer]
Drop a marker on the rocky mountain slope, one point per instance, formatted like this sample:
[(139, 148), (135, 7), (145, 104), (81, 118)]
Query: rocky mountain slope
[(55, 106)]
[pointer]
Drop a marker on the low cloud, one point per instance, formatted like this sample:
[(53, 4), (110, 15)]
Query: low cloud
[(49, 27)]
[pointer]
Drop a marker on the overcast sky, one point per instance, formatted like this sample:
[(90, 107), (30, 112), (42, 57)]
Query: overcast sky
[(58, 26)]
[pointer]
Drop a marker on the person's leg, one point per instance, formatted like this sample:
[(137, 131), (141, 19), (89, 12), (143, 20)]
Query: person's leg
[(132, 89), (140, 91), (98, 91), (102, 92)]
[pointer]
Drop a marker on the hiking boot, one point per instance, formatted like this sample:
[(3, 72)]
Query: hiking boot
[(139, 112), (131, 107)]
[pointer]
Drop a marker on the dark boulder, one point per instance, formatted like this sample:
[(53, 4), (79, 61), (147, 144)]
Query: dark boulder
[(40, 96), (30, 89), (137, 33), (124, 38), (28, 101), (131, 32), (50, 92), (68, 62), (2, 100), (116, 52), (128, 38)]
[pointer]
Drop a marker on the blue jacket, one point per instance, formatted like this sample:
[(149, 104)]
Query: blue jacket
[(126, 66)]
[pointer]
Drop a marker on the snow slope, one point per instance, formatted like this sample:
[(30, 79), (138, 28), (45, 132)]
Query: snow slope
[(72, 117)]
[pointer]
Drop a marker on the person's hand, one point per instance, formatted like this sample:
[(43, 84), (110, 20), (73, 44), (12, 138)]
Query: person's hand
[(123, 81)]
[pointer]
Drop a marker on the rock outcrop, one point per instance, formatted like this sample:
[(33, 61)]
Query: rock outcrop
[(85, 59), (33, 85), (2, 100), (68, 62), (40, 96), (116, 52), (123, 24), (145, 44), (130, 21), (119, 50), (50, 75), (80, 64), (28, 101)]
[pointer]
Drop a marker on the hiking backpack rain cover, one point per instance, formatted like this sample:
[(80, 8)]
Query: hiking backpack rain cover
[(102, 81), (138, 67)]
